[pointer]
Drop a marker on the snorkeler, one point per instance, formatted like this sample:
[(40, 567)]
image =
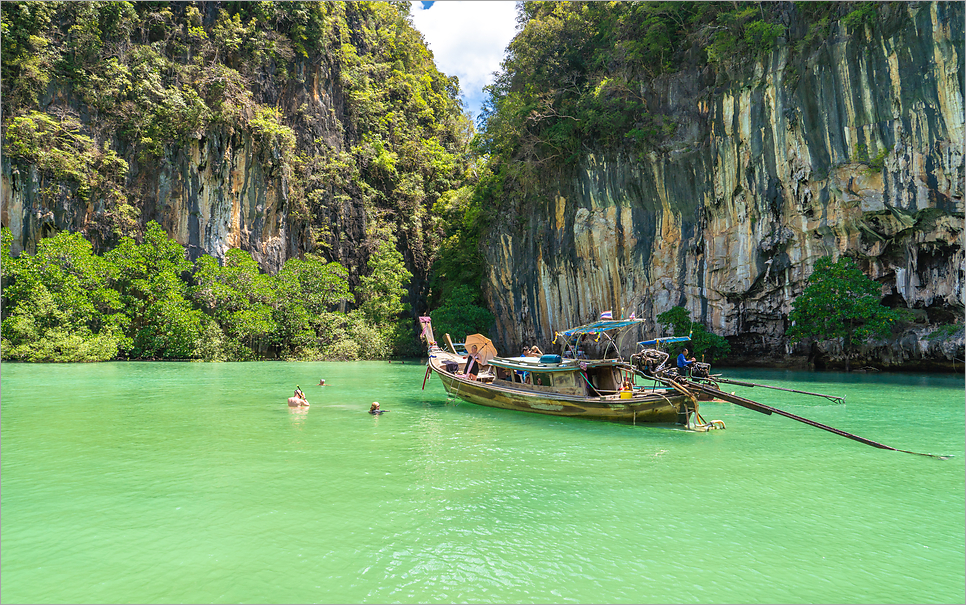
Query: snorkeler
[(298, 399)]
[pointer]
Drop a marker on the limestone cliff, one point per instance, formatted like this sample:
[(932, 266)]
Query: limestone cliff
[(213, 192), (856, 148), (278, 128)]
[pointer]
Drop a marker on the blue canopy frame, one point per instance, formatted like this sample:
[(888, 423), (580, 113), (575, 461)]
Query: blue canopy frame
[(599, 327), (664, 341)]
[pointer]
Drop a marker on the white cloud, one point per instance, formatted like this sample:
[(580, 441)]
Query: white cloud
[(468, 40)]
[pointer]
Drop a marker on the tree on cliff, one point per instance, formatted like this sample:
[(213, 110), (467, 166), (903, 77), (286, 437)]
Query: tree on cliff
[(839, 302), (703, 343)]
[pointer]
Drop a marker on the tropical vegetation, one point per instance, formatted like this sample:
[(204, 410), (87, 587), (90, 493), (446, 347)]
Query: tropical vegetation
[(93, 93), (147, 301), (840, 301), (705, 345)]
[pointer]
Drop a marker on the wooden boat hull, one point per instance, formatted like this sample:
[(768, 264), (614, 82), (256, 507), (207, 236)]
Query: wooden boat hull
[(645, 406)]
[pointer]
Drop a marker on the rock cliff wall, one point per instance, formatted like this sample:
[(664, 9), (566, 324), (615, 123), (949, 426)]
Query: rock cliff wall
[(217, 191), (278, 128), (854, 149)]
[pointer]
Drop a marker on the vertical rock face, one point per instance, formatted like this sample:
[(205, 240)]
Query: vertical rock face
[(216, 192), (857, 149)]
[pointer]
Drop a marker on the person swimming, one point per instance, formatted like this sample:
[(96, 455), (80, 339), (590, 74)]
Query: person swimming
[(374, 409), (298, 399), (322, 382)]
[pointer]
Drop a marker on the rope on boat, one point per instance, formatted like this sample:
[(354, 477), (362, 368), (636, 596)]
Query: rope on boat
[(458, 384), (584, 376)]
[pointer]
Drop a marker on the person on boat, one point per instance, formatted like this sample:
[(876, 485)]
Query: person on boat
[(533, 352), (472, 369), (684, 362), (627, 385), (374, 409)]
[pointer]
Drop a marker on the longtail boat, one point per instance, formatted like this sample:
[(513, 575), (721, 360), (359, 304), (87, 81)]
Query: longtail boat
[(566, 385), (570, 385)]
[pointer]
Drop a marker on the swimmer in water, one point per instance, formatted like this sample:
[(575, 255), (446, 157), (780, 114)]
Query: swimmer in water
[(374, 409), (322, 382), (298, 399)]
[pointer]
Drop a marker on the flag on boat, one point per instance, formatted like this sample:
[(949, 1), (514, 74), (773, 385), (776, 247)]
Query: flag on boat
[(607, 315)]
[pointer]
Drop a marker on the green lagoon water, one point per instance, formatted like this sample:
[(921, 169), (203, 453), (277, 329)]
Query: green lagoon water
[(189, 482)]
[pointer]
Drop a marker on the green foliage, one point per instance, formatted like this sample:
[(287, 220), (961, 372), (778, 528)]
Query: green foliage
[(211, 344), (275, 138), (576, 73), (864, 14), (761, 36), (742, 32), (306, 292), (840, 301), (467, 213), (27, 55), (704, 344), (461, 315), (382, 290), (64, 156), (65, 303), (876, 162), (151, 78), (944, 332), (148, 278), (59, 304), (239, 298)]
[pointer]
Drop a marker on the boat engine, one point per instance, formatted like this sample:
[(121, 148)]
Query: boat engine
[(701, 370), (650, 361)]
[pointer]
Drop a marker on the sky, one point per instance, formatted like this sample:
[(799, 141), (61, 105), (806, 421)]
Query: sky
[(467, 40)]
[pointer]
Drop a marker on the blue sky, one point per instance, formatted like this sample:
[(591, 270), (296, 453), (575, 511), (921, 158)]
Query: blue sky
[(467, 40)]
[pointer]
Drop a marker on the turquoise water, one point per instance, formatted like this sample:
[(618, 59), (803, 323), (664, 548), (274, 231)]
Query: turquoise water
[(177, 482)]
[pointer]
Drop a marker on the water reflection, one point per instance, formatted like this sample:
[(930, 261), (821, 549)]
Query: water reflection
[(298, 416)]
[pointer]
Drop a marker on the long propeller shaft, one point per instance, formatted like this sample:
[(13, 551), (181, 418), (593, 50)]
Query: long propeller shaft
[(767, 409), (768, 386)]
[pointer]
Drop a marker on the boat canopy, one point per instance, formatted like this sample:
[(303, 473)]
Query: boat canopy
[(600, 327), (533, 364), (664, 341)]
